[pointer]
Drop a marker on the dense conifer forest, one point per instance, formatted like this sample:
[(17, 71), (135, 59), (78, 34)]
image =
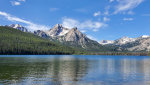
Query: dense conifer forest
[(14, 41)]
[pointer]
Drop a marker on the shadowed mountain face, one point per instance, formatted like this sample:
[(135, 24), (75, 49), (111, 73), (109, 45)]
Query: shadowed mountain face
[(72, 37), (41, 33)]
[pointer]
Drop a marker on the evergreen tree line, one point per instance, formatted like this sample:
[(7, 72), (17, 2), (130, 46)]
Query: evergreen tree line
[(13, 41)]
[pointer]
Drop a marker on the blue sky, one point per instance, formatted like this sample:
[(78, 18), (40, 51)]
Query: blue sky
[(98, 19)]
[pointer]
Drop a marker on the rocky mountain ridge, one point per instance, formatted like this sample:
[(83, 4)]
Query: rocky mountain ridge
[(19, 27), (72, 37), (130, 44)]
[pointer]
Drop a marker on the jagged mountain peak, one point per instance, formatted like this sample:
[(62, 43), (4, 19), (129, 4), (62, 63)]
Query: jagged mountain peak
[(131, 44), (119, 41), (72, 37), (41, 33), (124, 40), (15, 25), (19, 27), (75, 29), (57, 30), (58, 26)]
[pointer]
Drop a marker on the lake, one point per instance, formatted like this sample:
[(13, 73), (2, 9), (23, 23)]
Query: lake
[(74, 70)]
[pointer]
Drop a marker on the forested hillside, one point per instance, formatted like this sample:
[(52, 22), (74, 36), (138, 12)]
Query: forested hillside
[(14, 41)]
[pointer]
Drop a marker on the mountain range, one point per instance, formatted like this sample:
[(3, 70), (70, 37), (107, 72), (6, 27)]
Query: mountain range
[(76, 39), (72, 37), (129, 44)]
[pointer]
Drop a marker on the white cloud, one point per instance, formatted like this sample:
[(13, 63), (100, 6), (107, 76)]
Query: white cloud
[(106, 19), (92, 38), (130, 13), (70, 23), (97, 13), (128, 19), (83, 31), (111, 1), (30, 25), (22, 0), (15, 3), (91, 25), (106, 13), (126, 5)]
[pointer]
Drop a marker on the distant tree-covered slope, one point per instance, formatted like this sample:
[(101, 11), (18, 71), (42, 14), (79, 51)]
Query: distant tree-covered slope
[(14, 41)]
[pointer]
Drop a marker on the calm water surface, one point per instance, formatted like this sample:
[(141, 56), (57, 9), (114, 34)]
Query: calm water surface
[(74, 70)]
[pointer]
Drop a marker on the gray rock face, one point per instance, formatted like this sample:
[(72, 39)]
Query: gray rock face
[(57, 30), (19, 27), (41, 33), (72, 37), (140, 45), (132, 44), (76, 37)]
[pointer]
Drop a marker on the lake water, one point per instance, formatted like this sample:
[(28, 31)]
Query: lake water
[(74, 70)]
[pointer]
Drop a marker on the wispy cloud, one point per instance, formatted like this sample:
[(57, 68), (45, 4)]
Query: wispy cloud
[(126, 5), (97, 13), (111, 1), (83, 31), (90, 25), (106, 19), (15, 3), (128, 19), (107, 8), (30, 25), (92, 38), (130, 12), (22, 0), (54, 9)]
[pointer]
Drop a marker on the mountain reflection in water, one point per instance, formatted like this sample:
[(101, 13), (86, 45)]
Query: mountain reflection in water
[(74, 70)]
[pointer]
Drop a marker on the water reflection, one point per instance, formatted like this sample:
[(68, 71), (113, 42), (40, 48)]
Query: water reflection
[(74, 70), (42, 70)]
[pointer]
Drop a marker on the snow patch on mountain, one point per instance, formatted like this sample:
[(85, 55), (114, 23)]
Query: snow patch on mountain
[(105, 42), (19, 27), (57, 30), (123, 40), (145, 36)]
